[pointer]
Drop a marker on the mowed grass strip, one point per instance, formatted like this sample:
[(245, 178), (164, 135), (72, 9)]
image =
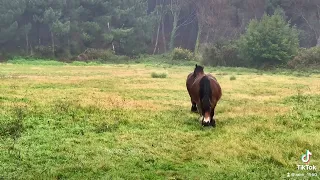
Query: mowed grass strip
[(116, 121)]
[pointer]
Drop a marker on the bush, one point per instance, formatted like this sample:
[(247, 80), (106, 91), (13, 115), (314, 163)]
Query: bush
[(158, 75), (96, 54), (182, 54), (212, 56), (2, 57), (232, 78), (63, 54), (222, 55), (43, 51), (306, 58), (270, 41)]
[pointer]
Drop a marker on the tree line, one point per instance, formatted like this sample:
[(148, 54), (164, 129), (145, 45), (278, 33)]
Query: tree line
[(66, 28)]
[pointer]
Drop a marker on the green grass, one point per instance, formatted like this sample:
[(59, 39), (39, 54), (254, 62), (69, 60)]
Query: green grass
[(114, 121)]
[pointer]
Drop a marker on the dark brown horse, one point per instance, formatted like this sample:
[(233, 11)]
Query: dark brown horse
[(205, 92)]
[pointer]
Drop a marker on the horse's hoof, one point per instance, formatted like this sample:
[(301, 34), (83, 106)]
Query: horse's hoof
[(194, 109), (209, 124), (205, 124)]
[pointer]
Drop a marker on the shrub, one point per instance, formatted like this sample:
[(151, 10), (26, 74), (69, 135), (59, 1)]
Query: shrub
[(43, 51), (270, 41), (222, 55), (182, 54), (229, 55), (306, 58), (158, 75), (63, 54), (212, 56), (232, 78), (96, 54), (2, 57)]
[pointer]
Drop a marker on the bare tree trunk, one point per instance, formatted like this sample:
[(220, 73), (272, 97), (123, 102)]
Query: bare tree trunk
[(52, 41), (39, 42), (31, 50), (157, 38), (69, 49), (207, 37), (197, 45), (174, 30), (175, 11), (164, 36), (311, 27), (113, 48), (27, 43)]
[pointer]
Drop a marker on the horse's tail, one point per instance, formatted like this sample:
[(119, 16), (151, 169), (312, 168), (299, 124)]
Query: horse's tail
[(205, 93)]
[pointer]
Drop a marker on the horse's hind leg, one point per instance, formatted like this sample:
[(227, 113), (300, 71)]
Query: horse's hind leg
[(194, 107)]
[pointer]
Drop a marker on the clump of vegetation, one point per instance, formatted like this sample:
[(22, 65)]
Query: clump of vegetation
[(222, 55), (43, 51), (35, 61), (158, 75), (81, 63), (232, 78), (211, 56), (270, 41), (182, 54), (12, 127), (96, 54), (306, 58)]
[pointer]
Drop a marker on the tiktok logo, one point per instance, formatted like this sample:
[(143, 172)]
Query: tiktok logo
[(306, 157)]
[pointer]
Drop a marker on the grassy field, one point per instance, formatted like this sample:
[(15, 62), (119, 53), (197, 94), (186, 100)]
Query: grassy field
[(61, 121)]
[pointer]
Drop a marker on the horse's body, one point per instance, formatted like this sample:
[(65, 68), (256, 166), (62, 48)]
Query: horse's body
[(205, 92)]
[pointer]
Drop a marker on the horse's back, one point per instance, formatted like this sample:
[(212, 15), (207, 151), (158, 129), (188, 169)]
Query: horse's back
[(195, 87), (215, 87)]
